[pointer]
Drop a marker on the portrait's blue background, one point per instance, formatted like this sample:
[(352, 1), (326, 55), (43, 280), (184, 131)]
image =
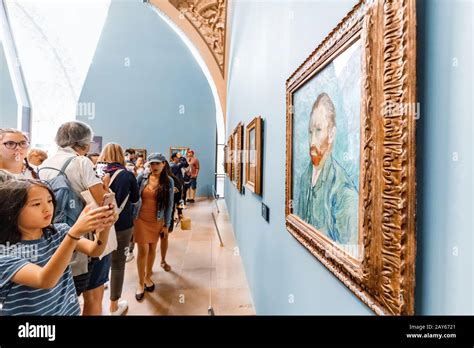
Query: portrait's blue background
[(341, 80)]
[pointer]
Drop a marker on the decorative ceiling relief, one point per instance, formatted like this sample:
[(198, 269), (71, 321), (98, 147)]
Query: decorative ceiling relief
[(208, 17)]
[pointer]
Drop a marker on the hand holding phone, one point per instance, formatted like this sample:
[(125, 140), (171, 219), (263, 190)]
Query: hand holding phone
[(109, 198)]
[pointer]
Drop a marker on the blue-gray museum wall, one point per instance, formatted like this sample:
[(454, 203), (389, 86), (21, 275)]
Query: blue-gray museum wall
[(8, 104), (269, 40), (148, 90)]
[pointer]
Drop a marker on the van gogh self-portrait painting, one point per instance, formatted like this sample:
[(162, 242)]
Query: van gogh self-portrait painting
[(350, 177), (326, 149)]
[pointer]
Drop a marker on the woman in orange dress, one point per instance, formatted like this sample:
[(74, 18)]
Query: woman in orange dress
[(153, 220)]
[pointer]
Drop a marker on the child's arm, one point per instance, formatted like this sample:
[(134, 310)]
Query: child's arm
[(94, 248), (48, 276)]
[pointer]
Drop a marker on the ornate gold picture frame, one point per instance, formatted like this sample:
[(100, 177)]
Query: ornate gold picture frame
[(367, 197), (236, 150), (253, 155), (226, 146), (230, 158)]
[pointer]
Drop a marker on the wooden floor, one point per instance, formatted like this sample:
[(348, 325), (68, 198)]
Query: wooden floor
[(203, 273)]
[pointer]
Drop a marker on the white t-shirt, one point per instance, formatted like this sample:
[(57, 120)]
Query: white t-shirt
[(80, 171), (24, 175)]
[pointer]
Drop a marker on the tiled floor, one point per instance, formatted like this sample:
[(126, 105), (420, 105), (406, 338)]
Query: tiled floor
[(203, 273)]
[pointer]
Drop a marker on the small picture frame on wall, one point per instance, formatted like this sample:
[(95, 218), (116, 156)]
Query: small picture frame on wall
[(182, 150), (230, 167), (253, 155), (96, 145), (141, 152), (225, 158), (237, 144)]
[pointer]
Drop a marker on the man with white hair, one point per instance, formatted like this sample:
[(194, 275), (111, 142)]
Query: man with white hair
[(74, 140)]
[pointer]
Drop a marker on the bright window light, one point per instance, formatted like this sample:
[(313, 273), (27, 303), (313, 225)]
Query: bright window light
[(56, 41)]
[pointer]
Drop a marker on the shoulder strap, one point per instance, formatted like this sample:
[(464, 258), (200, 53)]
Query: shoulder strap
[(69, 160), (117, 172), (122, 206), (62, 170)]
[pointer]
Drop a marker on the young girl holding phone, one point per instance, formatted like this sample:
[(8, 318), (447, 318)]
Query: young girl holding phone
[(36, 278)]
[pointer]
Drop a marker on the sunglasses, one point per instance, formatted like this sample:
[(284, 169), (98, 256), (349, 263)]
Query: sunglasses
[(12, 145)]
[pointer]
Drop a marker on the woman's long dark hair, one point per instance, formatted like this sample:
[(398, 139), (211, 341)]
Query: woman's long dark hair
[(170, 174), (13, 197), (163, 189)]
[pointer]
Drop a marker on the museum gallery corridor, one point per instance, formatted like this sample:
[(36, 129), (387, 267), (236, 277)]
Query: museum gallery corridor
[(194, 280)]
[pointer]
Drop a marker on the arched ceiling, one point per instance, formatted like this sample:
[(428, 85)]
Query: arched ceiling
[(204, 22)]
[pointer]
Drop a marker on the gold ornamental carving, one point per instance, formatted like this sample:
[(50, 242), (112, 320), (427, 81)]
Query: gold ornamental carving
[(208, 17)]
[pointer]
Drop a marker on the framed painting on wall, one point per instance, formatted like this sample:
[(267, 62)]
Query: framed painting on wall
[(96, 145), (237, 156), (141, 152), (182, 150), (253, 156), (225, 159), (230, 158), (350, 153)]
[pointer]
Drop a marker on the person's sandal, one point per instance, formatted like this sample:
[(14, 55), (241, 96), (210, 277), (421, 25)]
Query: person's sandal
[(165, 266)]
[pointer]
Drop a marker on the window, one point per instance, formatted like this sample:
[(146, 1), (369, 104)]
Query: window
[(56, 41)]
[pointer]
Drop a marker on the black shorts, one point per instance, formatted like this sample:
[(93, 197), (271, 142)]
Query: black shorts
[(97, 275), (81, 281)]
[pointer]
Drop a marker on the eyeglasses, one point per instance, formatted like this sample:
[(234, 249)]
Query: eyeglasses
[(12, 145)]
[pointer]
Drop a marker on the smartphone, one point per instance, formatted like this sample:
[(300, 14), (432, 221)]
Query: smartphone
[(99, 168), (109, 198)]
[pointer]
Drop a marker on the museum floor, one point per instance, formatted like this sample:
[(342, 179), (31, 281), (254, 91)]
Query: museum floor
[(202, 273)]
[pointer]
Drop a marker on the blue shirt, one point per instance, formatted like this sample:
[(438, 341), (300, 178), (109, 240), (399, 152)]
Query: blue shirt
[(23, 300)]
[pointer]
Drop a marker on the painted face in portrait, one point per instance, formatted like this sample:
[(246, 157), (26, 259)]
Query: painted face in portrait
[(322, 129)]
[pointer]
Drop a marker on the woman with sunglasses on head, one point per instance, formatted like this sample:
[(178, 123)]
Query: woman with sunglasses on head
[(14, 146)]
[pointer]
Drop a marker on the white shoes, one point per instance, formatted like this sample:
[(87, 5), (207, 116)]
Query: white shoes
[(130, 257), (122, 307)]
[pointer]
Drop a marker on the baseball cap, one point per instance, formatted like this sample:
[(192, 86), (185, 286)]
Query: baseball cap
[(155, 158)]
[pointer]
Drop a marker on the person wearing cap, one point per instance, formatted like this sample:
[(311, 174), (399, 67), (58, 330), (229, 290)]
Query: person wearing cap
[(153, 214)]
